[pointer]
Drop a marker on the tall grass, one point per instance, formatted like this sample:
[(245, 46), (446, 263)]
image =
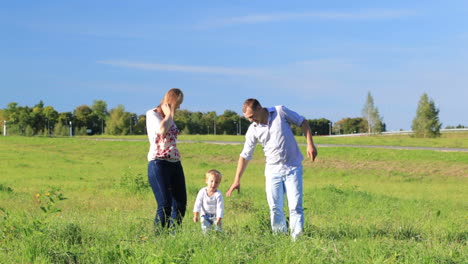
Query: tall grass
[(362, 206)]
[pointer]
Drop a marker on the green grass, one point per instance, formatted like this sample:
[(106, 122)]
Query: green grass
[(447, 140), (362, 205)]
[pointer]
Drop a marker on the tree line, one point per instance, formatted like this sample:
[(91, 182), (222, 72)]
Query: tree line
[(97, 119)]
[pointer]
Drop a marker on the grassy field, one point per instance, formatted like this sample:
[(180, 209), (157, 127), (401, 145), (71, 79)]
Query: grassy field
[(75, 200), (447, 140)]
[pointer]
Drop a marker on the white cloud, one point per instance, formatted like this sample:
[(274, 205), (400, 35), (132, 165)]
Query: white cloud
[(367, 14), (184, 68)]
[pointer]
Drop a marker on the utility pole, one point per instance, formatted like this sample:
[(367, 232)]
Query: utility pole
[(130, 125), (71, 129), (214, 125), (4, 128)]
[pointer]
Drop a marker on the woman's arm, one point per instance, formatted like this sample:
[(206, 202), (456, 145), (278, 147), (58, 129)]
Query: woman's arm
[(168, 119)]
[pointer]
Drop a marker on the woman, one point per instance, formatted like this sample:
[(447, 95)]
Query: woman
[(165, 172)]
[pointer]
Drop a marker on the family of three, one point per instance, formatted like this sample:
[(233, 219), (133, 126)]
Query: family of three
[(270, 127)]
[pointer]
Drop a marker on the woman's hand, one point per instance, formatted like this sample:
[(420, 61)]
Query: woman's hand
[(167, 110)]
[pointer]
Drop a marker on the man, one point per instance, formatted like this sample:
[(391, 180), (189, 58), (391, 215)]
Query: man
[(283, 171)]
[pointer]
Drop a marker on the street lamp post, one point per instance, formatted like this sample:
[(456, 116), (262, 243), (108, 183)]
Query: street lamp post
[(71, 129), (130, 125), (214, 126)]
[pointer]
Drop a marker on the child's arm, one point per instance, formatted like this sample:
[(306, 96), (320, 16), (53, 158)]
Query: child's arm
[(218, 220), (197, 206)]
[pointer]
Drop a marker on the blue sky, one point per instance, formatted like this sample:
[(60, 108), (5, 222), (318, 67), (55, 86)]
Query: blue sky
[(319, 58)]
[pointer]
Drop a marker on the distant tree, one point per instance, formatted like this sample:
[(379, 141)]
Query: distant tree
[(370, 113), (227, 123), (426, 123), (140, 126), (87, 119), (3, 117), (12, 113), (350, 125), (99, 108), (64, 118), (181, 119), (51, 118), (37, 118), (61, 129), (320, 126), (195, 123), (453, 127), (82, 116), (119, 122), (208, 120)]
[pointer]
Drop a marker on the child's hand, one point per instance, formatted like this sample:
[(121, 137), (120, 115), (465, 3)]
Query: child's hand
[(218, 221), (195, 218)]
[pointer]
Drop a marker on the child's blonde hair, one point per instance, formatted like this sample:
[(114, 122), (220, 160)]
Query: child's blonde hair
[(214, 173)]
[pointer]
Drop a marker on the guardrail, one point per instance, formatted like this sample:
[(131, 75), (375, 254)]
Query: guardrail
[(402, 132)]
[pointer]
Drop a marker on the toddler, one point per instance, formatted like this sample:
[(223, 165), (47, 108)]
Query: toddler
[(209, 205)]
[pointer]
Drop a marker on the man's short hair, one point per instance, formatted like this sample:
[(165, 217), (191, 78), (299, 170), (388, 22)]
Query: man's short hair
[(251, 103)]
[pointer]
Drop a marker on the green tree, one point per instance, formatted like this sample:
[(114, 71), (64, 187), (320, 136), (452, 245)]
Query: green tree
[(37, 118), (120, 122), (320, 126), (99, 109), (350, 125), (370, 113), (82, 116), (181, 119), (23, 121), (64, 118), (426, 123), (51, 118), (140, 126), (61, 129), (227, 123), (3, 117), (208, 120)]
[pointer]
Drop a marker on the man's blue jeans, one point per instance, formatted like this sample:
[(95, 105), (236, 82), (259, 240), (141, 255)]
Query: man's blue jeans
[(168, 183), (277, 185)]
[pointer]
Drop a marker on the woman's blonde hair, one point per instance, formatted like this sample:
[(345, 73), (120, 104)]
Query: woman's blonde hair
[(173, 96)]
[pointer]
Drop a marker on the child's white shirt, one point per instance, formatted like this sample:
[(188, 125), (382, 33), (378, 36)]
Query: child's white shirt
[(205, 204)]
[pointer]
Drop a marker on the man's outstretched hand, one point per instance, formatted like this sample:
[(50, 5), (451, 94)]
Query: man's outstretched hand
[(312, 152), (234, 186)]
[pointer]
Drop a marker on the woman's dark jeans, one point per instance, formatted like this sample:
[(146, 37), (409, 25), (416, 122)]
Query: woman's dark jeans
[(168, 183)]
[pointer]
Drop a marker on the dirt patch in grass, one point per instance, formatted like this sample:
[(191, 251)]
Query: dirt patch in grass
[(397, 168)]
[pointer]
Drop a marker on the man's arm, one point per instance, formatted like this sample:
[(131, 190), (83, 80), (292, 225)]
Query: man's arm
[(311, 150), (241, 165)]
